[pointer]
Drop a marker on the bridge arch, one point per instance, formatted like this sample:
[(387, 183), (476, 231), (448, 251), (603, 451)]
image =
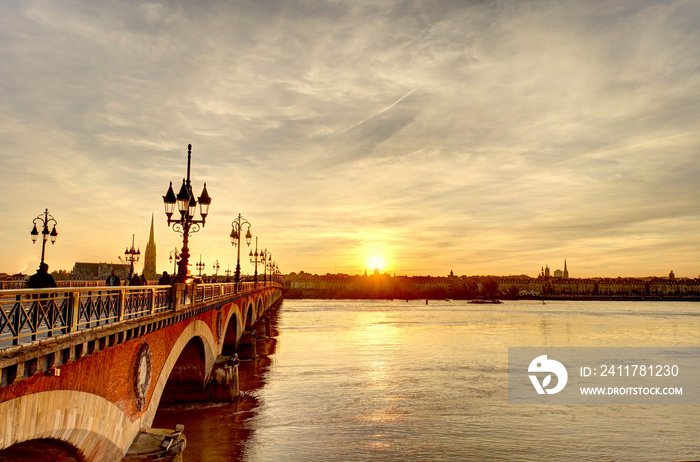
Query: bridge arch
[(250, 317), (187, 378), (209, 348), (260, 307), (99, 435), (231, 334), (41, 449)]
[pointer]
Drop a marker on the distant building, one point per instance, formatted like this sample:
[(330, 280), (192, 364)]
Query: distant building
[(149, 264), (557, 272), (385, 286), (83, 271), (14, 281)]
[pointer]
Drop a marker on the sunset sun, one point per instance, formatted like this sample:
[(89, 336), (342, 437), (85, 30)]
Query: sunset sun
[(376, 261)]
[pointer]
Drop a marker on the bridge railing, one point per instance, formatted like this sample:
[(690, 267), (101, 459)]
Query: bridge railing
[(22, 283), (211, 292), (27, 315)]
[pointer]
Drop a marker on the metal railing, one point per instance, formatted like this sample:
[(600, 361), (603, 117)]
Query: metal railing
[(211, 292), (13, 284), (27, 315), (22, 283)]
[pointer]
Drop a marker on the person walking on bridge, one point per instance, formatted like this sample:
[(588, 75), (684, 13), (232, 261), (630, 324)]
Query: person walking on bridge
[(135, 280), (41, 278), (113, 279), (164, 279)]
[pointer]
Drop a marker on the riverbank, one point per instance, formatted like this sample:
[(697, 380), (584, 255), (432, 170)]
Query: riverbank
[(330, 294)]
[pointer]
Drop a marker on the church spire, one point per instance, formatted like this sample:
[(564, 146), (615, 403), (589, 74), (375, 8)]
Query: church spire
[(152, 237), (149, 265)]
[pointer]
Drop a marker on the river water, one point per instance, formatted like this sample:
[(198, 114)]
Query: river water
[(378, 380)]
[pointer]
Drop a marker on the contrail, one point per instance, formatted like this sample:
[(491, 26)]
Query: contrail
[(379, 112)]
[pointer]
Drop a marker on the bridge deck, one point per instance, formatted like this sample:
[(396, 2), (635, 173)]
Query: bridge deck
[(28, 315)]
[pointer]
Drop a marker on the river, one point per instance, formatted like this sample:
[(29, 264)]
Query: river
[(379, 380)]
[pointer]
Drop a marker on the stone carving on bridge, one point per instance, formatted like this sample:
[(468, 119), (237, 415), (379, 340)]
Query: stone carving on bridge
[(142, 375), (219, 326)]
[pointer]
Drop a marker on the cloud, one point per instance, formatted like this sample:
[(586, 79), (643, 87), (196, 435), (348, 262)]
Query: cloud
[(474, 136)]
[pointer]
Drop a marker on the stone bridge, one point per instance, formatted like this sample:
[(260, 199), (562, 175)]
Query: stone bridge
[(89, 366)]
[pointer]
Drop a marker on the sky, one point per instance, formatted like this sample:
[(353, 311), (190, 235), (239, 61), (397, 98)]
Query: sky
[(419, 137)]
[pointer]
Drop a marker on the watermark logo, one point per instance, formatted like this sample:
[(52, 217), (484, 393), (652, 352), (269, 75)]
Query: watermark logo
[(603, 375), (551, 366)]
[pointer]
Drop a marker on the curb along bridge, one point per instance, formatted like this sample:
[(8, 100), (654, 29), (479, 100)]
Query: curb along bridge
[(89, 366)]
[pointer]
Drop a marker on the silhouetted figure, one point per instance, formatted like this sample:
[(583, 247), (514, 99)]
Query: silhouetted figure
[(144, 282), (135, 280), (113, 279), (41, 278), (164, 279)]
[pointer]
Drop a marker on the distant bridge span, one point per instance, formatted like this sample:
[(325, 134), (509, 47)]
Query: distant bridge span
[(99, 360)]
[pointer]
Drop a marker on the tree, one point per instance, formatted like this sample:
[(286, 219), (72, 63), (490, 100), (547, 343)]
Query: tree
[(471, 287), (489, 287), (60, 275), (512, 291)]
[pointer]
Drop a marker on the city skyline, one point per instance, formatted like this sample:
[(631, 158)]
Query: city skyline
[(420, 138)]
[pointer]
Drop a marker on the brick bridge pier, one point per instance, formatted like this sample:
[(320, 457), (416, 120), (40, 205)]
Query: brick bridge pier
[(89, 366)]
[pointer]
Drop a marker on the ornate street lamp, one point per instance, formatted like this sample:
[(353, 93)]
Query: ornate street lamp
[(267, 257), (132, 255), (185, 223), (271, 265), (216, 271), (44, 218), (236, 229), (200, 266), (174, 258), (256, 258), (228, 272)]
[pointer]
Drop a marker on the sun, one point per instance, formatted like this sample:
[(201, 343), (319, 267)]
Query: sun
[(376, 262)]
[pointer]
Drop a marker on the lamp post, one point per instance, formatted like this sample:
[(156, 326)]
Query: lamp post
[(228, 272), (132, 255), (271, 265), (216, 271), (200, 266), (186, 224), (267, 257), (236, 229), (44, 218), (174, 258), (256, 258)]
